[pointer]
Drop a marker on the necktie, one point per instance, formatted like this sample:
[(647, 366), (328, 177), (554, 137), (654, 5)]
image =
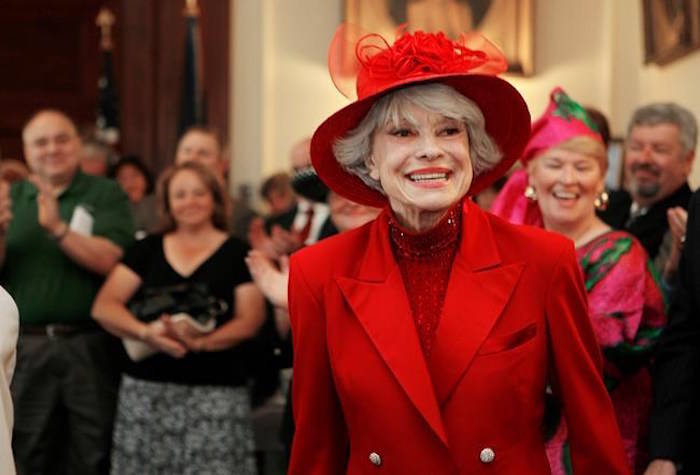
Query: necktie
[(304, 232)]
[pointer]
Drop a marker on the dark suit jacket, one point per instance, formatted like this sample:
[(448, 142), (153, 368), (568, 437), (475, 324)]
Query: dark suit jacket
[(677, 368), (286, 220), (283, 220), (650, 228)]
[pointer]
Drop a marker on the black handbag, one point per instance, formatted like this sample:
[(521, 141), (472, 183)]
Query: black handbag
[(193, 299)]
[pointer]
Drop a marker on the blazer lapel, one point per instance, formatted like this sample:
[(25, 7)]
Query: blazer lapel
[(478, 290), (378, 299)]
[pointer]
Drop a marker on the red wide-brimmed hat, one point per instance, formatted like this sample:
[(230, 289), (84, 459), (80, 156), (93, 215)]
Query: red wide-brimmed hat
[(469, 65)]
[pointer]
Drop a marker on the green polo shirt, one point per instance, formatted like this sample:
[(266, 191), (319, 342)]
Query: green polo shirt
[(48, 286)]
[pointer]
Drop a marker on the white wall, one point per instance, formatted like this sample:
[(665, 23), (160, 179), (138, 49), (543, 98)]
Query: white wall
[(637, 84), (282, 89), (572, 50)]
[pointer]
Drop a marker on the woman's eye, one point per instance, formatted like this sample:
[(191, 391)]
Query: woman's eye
[(451, 131), (401, 132)]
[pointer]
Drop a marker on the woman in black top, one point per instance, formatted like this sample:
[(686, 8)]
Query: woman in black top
[(184, 409)]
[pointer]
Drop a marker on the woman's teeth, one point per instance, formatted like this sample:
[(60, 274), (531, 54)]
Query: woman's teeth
[(563, 195), (427, 176)]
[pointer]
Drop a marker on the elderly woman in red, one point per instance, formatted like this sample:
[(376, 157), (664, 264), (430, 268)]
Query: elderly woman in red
[(424, 340)]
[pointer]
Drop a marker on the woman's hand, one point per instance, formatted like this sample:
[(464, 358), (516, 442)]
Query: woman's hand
[(260, 240), (157, 335), (285, 242), (188, 340), (271, 281)]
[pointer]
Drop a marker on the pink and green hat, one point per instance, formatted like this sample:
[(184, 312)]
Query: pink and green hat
[(563, 120)]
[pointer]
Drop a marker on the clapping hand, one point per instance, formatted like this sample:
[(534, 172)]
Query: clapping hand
[(271, 281), (47, 204), (5, 207), (677, 224), (260, 240), (285, 242), (278, 243)]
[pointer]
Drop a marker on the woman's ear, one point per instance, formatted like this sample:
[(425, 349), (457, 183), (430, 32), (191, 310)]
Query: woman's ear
[(530, 166), (372, 167)]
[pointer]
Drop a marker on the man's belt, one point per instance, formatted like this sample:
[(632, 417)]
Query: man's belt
[(59, 330)]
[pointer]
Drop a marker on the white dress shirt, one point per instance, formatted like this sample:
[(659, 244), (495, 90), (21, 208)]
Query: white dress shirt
[(321, 212)]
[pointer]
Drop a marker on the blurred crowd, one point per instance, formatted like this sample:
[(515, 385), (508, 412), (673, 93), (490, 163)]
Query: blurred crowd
[(153, 332), (139, 293)]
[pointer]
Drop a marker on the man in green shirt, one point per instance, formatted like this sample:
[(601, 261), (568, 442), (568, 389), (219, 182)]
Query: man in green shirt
[(61, 232)]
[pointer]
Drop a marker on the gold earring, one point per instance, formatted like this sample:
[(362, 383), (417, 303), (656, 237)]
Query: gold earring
[(601, 201), (530, 193)]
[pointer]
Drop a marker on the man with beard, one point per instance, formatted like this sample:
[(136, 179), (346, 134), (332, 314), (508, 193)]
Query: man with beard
[(659, 153)]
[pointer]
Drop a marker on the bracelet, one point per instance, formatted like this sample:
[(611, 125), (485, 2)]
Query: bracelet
[(58, 236)]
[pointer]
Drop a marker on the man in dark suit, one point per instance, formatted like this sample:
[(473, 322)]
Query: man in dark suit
[(677, 367), (659, 152)]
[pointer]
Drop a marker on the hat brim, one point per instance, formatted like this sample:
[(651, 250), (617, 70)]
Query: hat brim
[(507, 123)]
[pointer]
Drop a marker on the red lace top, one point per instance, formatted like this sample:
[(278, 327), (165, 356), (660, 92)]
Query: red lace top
[(425, 260)]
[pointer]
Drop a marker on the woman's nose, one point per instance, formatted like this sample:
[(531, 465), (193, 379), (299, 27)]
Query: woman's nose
[(568, 175), (429, 148)]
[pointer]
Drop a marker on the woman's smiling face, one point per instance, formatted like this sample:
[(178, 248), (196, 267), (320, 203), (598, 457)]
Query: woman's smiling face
[(422, 162), (567, 184)]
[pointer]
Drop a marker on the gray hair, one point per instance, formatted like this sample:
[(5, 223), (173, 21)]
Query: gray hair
[(353, 150), (668, 113)]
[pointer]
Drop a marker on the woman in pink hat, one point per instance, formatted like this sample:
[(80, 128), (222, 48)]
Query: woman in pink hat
[(559, 188), (424, 340)]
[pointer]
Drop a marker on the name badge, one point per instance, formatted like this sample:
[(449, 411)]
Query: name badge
[(81, 222)]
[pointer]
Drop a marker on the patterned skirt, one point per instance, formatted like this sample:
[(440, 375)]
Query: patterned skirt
[(166, 428)]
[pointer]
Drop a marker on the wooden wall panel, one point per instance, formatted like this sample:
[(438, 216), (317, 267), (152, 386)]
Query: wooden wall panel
[(153, 49), (136, 73), (49, 57)]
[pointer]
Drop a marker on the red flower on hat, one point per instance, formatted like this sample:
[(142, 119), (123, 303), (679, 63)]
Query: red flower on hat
[(420, 54), (417, 54)]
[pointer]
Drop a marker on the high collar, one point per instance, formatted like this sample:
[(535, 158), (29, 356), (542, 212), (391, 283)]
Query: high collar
[(417, 245), (477, 248)]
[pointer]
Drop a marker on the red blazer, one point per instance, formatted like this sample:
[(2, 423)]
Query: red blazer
[(366, 400)]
